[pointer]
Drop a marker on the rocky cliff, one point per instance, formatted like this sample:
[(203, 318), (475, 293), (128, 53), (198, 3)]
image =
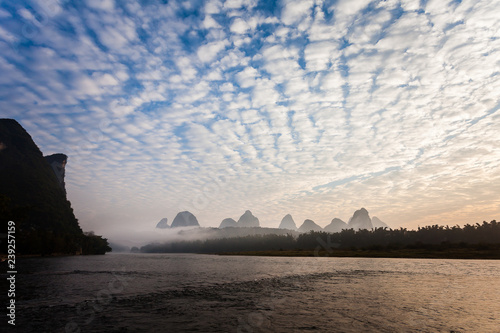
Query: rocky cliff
[(29, 181), (33, 196), (58, 164)]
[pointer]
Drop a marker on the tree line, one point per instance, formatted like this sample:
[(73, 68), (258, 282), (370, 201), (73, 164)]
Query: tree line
[(477, 236)]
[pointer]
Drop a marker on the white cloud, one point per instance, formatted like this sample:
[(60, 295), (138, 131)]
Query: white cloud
[(294, 12), (246, 78), (227, 87), (410, 5), (237, 4), (213, 7), (208, 52), (239, 26), (186, 68), (104, 79), (49, 8), (7, 36), (107, 5), (4, 14), (349, 7), (264, 94), (318, 55), (210, 23), (87, 86)]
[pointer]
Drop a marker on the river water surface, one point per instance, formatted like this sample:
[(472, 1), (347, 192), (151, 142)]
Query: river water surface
[(207, 293)]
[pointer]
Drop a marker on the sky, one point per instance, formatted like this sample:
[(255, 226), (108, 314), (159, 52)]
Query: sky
[(314, 108)]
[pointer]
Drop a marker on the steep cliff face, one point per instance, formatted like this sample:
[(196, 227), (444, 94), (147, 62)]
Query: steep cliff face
[(34, 197), (29, 181), (58, 164)]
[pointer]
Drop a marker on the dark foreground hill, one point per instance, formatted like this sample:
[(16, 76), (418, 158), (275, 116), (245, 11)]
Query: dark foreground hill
[(32, 194)]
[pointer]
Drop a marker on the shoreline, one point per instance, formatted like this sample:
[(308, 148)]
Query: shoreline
[(347, 253), (402, 254)]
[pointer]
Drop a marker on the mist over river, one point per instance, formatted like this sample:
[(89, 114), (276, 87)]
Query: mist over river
[(208, 293)]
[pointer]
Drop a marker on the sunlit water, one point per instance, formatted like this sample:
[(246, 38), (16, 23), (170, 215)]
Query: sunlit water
[(204, 293)]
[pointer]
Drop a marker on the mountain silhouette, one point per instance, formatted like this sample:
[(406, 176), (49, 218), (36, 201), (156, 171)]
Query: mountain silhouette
[(288, 223)]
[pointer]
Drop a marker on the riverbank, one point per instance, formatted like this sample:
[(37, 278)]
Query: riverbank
[(400, 253)]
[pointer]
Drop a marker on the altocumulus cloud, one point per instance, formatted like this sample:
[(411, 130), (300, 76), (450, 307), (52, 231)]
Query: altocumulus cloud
[(314, 108)]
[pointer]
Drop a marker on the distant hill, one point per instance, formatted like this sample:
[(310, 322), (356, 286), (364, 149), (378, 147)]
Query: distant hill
[(208, 234), (230, 232), (479, 241), (288, 223), (163, 224), (377, 223), (32, 194), (360, 220), (228, 223), (309, 225), (337, 225), (185, 219), (247, 220)]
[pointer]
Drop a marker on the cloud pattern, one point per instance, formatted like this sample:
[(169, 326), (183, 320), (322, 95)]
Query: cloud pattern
[(312, 107)]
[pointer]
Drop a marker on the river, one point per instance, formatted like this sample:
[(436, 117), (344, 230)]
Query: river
[(209, 293)]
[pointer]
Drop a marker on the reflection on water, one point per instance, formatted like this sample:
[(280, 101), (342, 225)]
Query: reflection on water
[(185, 293)]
